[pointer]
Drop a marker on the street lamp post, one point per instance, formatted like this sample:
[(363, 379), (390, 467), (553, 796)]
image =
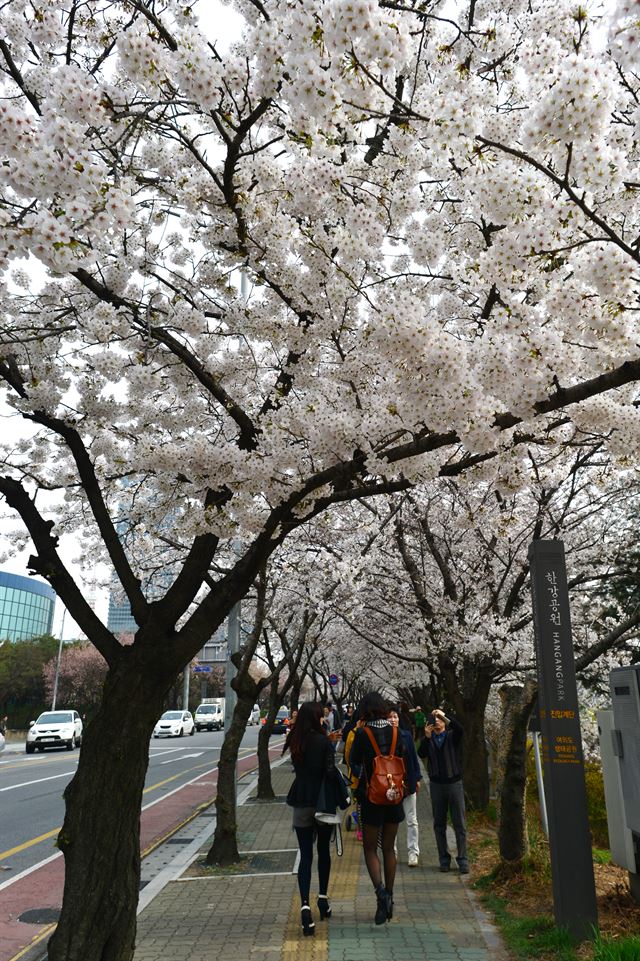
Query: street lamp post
[(55, 682)]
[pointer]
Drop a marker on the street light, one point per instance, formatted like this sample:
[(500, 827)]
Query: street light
[(55, 683)]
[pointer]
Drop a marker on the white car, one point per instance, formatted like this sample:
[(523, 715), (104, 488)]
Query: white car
[(55, 729), (254, 717), (174, 724)]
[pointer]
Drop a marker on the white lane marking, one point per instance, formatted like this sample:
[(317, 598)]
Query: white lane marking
[(53, 777), (183, 757), (58, 854), (28, 871)]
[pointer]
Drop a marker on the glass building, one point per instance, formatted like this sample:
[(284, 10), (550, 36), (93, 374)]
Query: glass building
[(26, 607), (120, 620)]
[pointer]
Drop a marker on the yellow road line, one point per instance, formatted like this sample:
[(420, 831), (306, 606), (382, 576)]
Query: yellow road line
[(50, 928), (27, 844), (43, 837)]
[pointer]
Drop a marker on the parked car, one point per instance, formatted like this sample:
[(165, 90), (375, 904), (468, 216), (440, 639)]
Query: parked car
[(281, 723), (174, 724), (55, 729), (254, 717), (209, 717)]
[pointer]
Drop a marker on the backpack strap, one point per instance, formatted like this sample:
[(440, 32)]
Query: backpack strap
[(374, 743), (394, 741)]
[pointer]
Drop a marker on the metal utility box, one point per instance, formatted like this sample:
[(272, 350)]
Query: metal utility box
[(625, 701), (620, 837)]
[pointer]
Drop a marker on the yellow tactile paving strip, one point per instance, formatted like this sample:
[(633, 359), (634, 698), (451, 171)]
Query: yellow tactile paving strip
[(345, 872)]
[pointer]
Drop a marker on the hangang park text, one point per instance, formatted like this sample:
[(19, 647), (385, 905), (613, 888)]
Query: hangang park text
[(321, 415)]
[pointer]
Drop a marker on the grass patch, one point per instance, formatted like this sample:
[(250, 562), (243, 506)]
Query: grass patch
[(602, 856), (628, 949), (532, 937)]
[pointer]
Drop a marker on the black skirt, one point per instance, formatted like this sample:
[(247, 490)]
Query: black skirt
[(378, 814)]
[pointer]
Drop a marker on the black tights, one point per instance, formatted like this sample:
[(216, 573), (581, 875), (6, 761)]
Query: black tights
[(371, 835), (305, 843)]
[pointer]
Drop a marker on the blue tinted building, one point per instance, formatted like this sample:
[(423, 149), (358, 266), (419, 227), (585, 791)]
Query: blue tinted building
[(26, 607), (120, 620)]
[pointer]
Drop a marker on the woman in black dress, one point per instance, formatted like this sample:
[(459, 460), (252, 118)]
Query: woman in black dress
[(379, 821), (313, 759)]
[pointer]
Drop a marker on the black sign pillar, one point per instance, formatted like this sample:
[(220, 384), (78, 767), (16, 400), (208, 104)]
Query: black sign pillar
[(574, 895)]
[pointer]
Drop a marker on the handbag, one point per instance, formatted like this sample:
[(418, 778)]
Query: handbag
[(333, 798)]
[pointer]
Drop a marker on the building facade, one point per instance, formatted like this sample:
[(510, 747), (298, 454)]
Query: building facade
[(26, 607)]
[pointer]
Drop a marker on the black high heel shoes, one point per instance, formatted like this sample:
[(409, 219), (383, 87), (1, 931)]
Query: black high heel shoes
[(324, 907), (308, 924)]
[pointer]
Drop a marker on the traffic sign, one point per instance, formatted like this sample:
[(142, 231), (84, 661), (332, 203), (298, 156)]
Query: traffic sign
[(202, 669), (333, 679)]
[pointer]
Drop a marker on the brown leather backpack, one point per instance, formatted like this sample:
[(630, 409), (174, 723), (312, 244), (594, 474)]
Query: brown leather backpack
[(386, 785)]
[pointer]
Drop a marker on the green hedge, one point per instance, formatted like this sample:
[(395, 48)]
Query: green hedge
[(595, 798)]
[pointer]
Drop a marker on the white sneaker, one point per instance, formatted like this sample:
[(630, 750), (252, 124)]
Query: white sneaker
[(413, 861)]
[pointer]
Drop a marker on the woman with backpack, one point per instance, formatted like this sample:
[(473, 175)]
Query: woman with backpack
[(313, 759), (379, 754)]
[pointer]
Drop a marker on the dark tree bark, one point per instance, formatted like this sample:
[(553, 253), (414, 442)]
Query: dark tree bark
[(224, 849), (517, 704), (100, 837), (265, 786), (467, 690)]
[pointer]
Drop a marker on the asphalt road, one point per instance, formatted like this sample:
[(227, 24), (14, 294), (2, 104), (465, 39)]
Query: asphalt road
[(31, 786)]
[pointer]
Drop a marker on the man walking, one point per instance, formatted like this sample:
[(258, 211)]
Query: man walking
[(442, 748)]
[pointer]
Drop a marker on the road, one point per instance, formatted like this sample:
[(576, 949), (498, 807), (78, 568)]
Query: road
[(31, 786)]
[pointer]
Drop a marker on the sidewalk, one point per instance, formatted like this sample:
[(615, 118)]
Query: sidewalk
[(252, 913)]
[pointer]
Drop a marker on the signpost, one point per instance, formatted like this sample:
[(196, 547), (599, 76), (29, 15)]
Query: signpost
[(333, 679), (202, 669), (574, 896)]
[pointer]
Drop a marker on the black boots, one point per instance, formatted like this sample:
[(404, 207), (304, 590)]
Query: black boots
[(308, 924), (384, 908)]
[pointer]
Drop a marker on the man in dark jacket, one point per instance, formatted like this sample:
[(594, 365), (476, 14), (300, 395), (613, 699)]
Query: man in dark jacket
[(441, 745)]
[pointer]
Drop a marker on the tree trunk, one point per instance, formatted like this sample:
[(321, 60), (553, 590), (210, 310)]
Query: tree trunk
[(475, 759), (224, 849), (100, 837), (294, 694), (466, 687), (517, 703), (265, 786)]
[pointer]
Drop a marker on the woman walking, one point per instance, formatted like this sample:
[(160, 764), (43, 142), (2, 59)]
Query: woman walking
[(313, 760), (379, 821)]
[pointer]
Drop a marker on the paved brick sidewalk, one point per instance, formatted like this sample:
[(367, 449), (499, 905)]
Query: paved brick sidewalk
[(245, 916)]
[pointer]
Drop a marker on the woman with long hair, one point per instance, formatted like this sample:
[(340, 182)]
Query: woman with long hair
[(313, 760), (379, 821)]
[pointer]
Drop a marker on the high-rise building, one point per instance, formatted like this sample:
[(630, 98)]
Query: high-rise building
[(26, 607), (120, 620)]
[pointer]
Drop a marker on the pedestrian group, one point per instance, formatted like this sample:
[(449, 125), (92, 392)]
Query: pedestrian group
[(383, 780)]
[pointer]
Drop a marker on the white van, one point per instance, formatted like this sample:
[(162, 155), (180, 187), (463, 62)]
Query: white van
[(209, 717)]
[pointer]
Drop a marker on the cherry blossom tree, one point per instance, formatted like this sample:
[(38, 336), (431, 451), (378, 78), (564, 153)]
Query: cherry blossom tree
[(81, 677), (435, 209)]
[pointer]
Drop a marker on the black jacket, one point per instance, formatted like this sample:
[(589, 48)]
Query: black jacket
[(317, 762), (362, 753), (444, 764)]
